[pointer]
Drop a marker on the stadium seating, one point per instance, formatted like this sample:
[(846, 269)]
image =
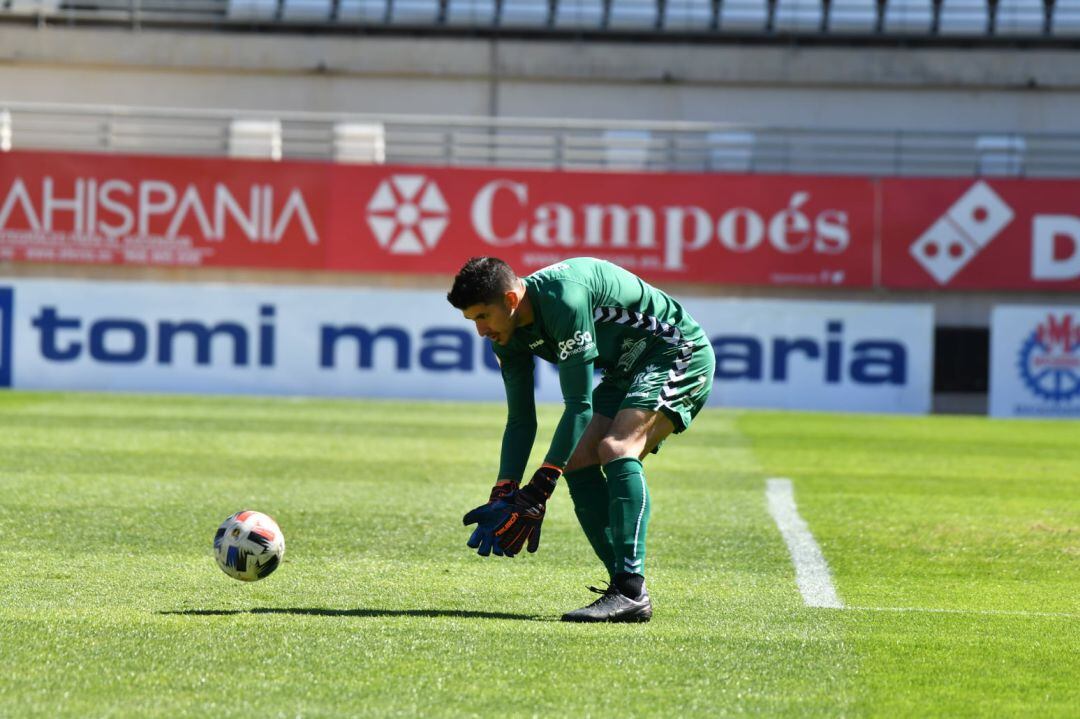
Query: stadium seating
[(359, 142), (584, 14), (252, 9), (525, 13), (1020, 17), (798, 16), (730, 151), (474, 13), (964, 17), (255, 139), (694, 15), (852, 16), (1066, 21), (5, 131), (1000, 155), (32, 7), (627, 149), (307, 10), (633, 14), (363, 11), (908, 16), (966, 20), (414, 12), (743, 15)]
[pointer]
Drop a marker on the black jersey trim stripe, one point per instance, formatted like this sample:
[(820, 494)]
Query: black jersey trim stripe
[(669, 333)]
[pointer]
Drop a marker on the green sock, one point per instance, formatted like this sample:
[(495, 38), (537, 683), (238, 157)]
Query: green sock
[(589, 492), (628, 511)]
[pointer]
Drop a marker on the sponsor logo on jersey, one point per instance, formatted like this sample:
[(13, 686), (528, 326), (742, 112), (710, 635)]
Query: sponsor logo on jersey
[(579, 343), (643, 378)]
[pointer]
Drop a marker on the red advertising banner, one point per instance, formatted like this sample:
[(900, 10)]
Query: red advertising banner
[(925, 234), (751, 230), (981, 234), (162, 211)]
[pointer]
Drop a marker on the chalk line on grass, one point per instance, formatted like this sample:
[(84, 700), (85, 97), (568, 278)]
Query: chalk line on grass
[(811, 570)]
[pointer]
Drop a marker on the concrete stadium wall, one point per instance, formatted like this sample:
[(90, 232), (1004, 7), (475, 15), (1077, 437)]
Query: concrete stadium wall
[(1005, 90)]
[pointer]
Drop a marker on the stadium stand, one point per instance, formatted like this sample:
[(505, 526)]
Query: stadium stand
[(524, 13), (539, 143), (474, 13), (901, 20), (362, 11), (853, 16), (688, 15), (579, 14), (802, 16), (1066, 18), (964, 17), (743, 15), (633, 15), (1000, 155), (909, 17), (1020, 17)]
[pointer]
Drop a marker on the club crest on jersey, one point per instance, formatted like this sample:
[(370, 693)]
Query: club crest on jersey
[(580, 342), (631, 351)]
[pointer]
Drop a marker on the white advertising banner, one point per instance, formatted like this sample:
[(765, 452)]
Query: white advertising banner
[(1035, 361), (247, 339), (845, 356)]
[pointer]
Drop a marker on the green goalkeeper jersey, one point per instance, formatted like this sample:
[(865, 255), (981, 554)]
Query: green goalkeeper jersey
[(586, 313)]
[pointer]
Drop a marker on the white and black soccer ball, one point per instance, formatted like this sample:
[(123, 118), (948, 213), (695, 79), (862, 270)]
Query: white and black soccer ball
[(249, 546)]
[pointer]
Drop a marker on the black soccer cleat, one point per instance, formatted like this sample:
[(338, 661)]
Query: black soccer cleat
[(613, 606)]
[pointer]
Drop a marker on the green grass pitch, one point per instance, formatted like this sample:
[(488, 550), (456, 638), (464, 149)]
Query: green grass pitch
[(953, 542)]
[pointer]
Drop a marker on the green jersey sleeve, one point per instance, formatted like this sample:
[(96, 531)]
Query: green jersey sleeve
[(567, 312), (576, 380), (520, 431)]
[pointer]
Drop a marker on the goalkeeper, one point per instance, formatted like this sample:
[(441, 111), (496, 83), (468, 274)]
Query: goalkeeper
[(657, 373)]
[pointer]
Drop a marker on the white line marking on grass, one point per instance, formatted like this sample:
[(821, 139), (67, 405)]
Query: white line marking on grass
[(811, 570)]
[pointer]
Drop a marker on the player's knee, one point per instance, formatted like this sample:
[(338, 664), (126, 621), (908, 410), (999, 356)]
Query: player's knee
[(611, 448), (583, 456)]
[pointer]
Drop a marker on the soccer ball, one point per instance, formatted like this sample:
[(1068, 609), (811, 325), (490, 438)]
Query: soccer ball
[(249, 546)]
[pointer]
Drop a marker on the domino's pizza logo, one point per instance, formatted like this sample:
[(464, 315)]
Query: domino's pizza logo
[(7, 308), (962, 232), (408, 214), (1049, 361)]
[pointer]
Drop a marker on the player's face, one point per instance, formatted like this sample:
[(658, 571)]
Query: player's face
[(494, 321)]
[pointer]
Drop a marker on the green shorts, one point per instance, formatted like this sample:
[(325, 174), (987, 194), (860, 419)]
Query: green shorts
[(675, 380)]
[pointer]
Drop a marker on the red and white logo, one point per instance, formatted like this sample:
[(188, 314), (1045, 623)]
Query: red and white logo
[(408, 214), (957, 236)]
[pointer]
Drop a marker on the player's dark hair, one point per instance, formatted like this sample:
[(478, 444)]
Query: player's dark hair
[(483, 280)]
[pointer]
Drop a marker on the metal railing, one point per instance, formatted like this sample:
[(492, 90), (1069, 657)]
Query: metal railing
[(839, 20), (538, 143)]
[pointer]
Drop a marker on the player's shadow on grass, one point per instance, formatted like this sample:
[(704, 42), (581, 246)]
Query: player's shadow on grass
[(313, 611)]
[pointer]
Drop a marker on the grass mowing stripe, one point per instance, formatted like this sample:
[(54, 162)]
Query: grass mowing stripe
[(985, 612), (811, 570)]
